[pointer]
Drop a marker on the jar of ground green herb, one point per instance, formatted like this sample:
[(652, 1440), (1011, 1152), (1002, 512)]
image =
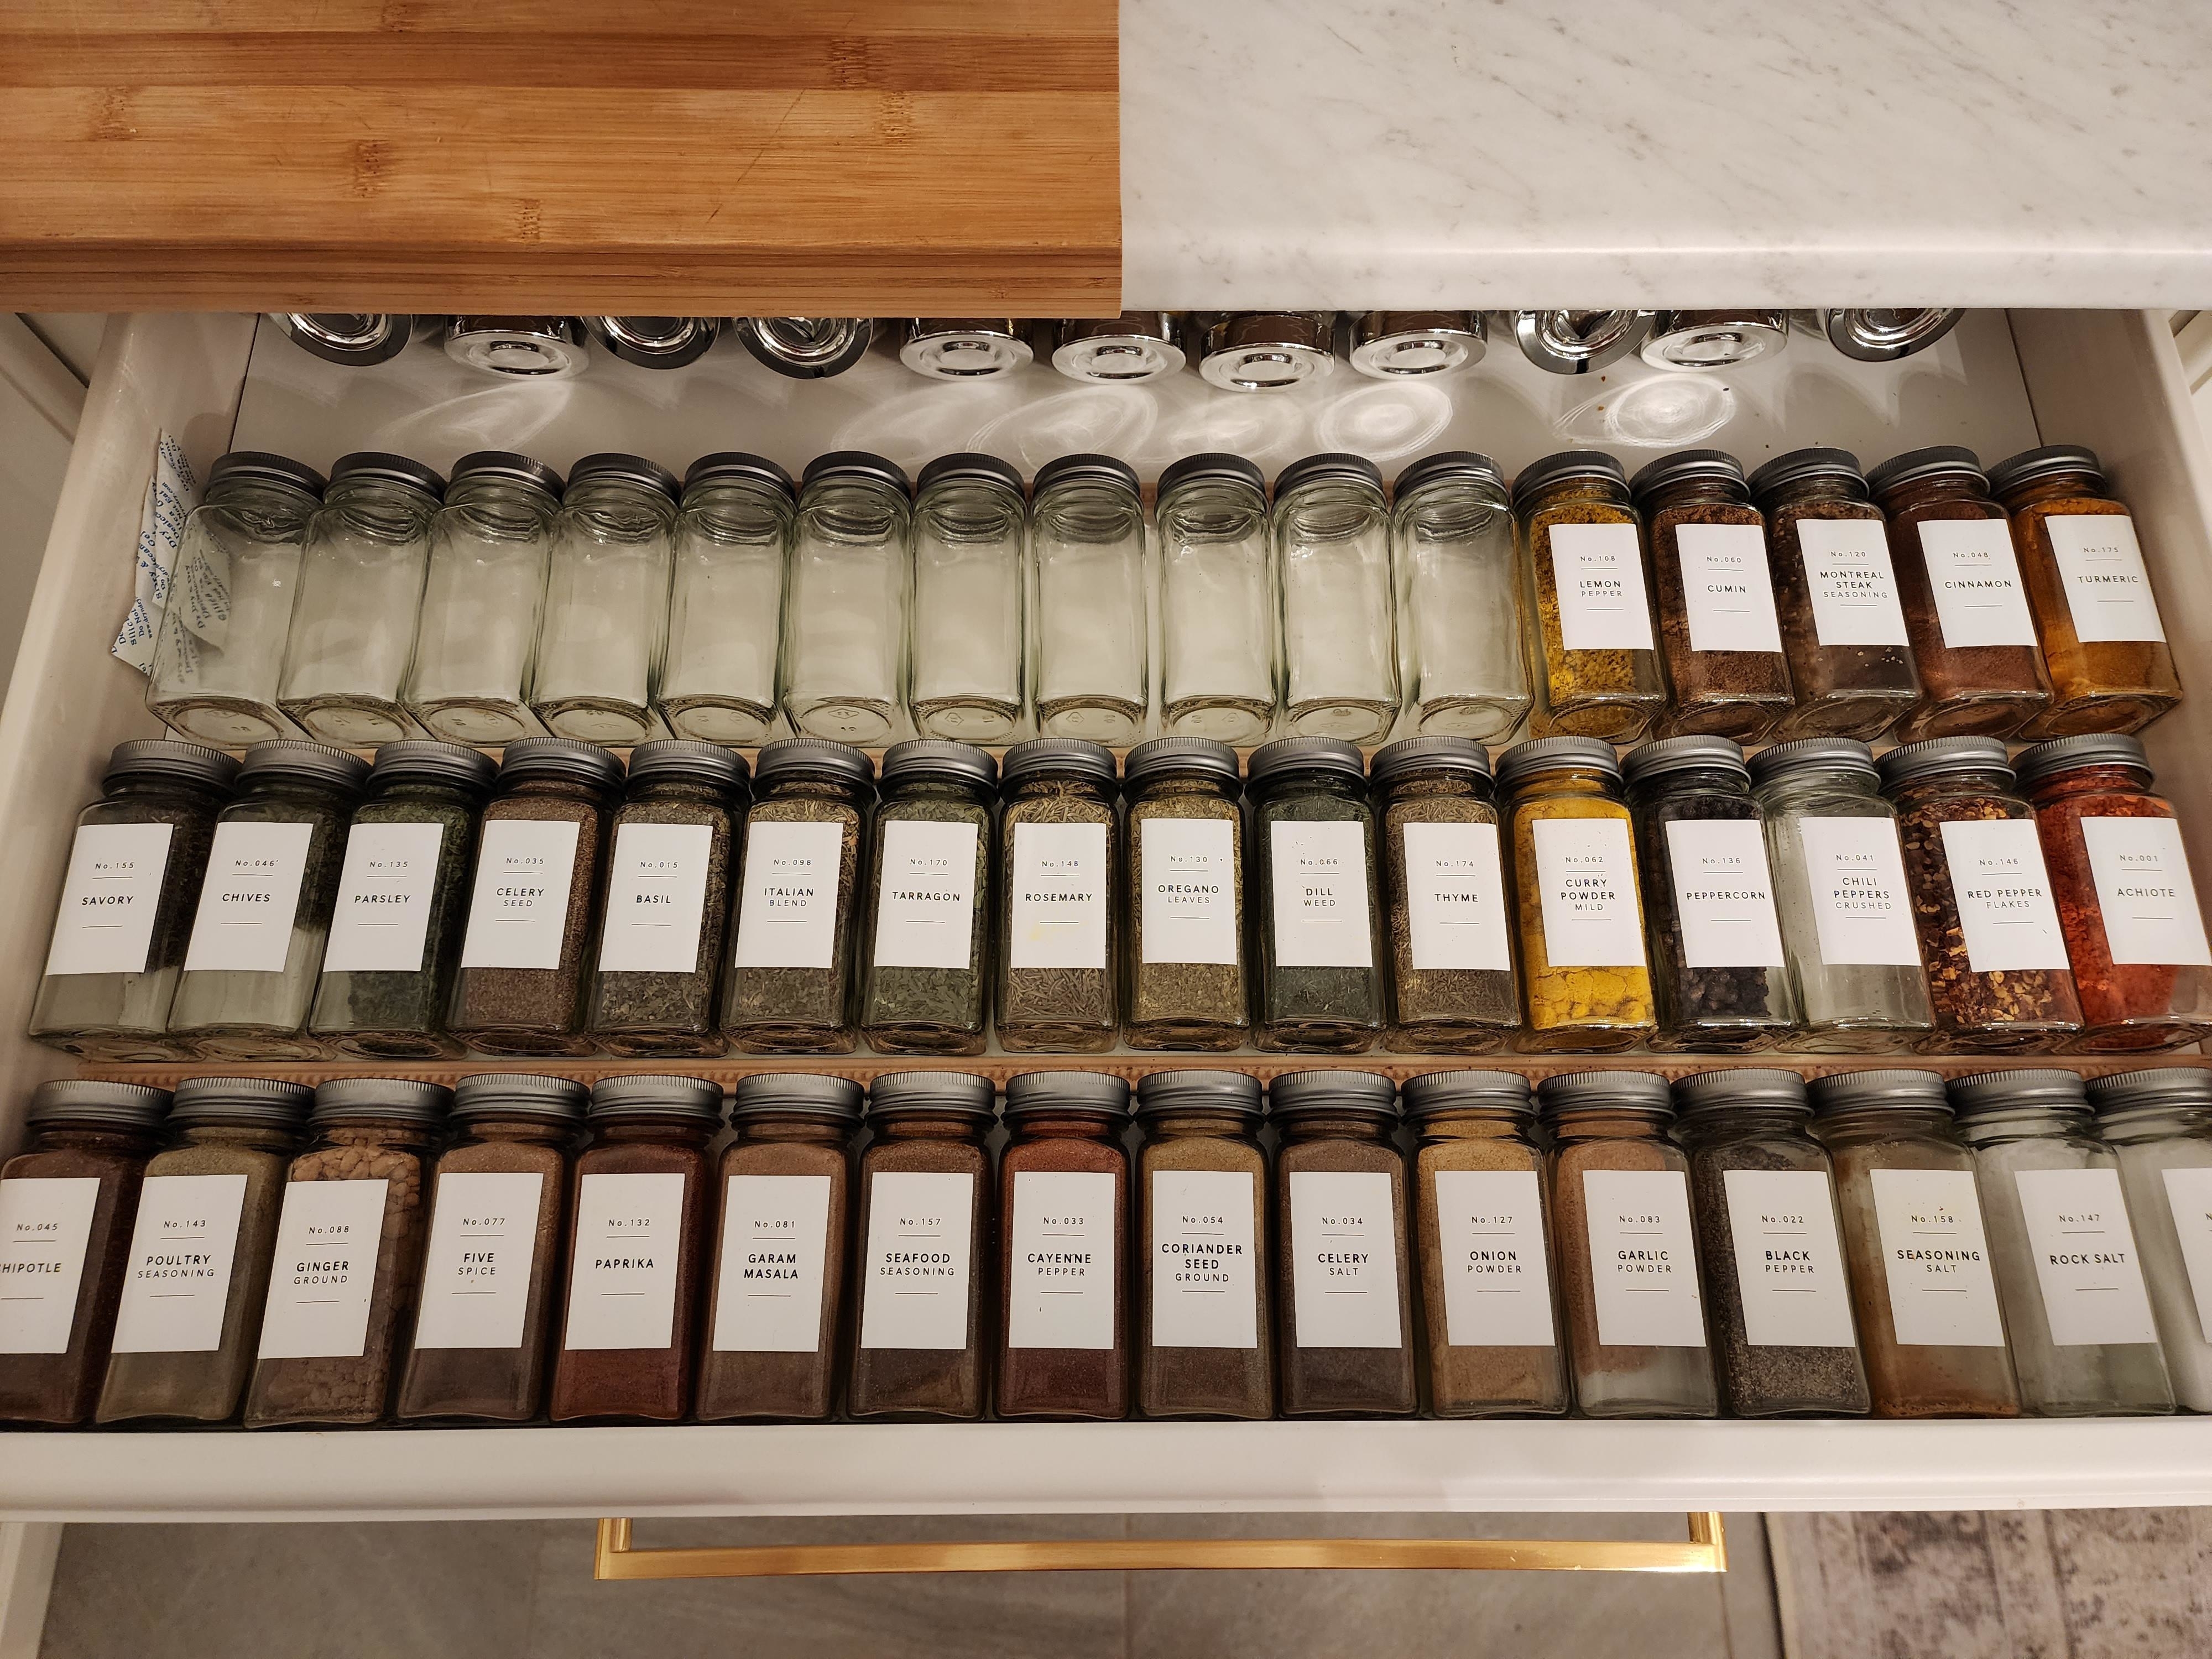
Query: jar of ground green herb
[(923, 989), (1059, 856), (1185, 904), (396, 935), (1313, 853)]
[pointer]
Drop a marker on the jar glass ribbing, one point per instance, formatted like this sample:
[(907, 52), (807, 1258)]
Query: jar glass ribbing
[(1222, 672), (1333, 584), (606, 633), (725, 600), (1091, 649), (965, 665), (1458, 600), (845, 609)]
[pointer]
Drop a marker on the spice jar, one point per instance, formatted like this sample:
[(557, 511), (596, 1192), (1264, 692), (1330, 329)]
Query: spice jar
[(1482, 1228), (1717, 627), (1204, 1344), (1584, 985), (1091, 640), (786, 1206), (1708, 898), (1345, 1327), (1059, 847), (520, 989), (482, 597), (1965, 609), (1628, 1257), (790, 986), (197, 1274), (2127, 902), (266, 905), (128, 898), (220, 648), (2159, 1124), (630, 1323), (1313, 854), (667, 891), (1451, 956), (1459, 604), (733, 532), (605, 634), (926, 962), (925, 1232), (395, 938), (498, 1196), (1764, 1200), (1930, 1328), (1333, 584), (1064, 1193), (347, 1260), (845, 606), (1997, 975), (1587, 614), (1846, 913), (965, 665), (1221, 676), (2104, 645), (68, 1201), (1185, 903)]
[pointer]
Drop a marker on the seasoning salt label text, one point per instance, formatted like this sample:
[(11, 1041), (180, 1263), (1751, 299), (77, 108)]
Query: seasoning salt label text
[(1597, 570), (244, 923), (2145, 893), (383, 913), (2005, 909), (1205, 1283), (1321, 899), (1586, 881), (1060, 1266), (1723, 896), (788, 909), (1788, 1259), (776, 1236), (1498, 1285), (183, 1246), (1643, 1262), (1190, 891), (323, 1271), (621, 1285), (2188, 1195), (656, 899), (913, 1281), (46, 1222), (1854, 875), (109, 898), (519, 907), (1849, 581), (1728, 593), (1456, 897), (2108, 589), (2085, 1263), (1936, 1259), (477, 1272), (1057, 917), (924, 917), (1971, 571)]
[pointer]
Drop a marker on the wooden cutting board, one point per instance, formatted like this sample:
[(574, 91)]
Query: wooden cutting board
[(768, 157)]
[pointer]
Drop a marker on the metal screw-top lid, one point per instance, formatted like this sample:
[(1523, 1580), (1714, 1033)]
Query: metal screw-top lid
[(508, 467), (1564, 467), (971, 467), (806, 348), (2031, 465), (694, 1099), (560, 758), (1231, 1093), (1216, 466), (259, 466), (1163, 756), (258, 1103), (381, 1099), (964, 348), (1263, 350), (1065, 756), (817, 757), (1688, 342), (2154, 1088), (166, 757), (1334, 466), (1695, 753), (1604, 1091), (1090, 470), (2044, 760), (936, 1094), (1538, 755), (1433, 1093), (1932, 462), (428, 760), (1848, 1092), (1716, 465), (101, 1105), (2044, 1088), (1935, 757), (291, 758), (627, 469), (1066, 1092), (735, 466), (376, 466), (1812, 755), (939, 757), (849, 465), (1411, 755), (1297, 1094), (1285, 755), (796, 1094), (1802, 463), (688, 758), (1450, 465), (519, 1094), (1768, 1089)]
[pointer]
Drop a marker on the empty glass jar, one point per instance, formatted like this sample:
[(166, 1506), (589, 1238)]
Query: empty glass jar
[(2159, 1123), (600, 647), (845, 608), (1223, 669), (1588, 625), (725, 604), (964, 664), (1459, 607), (1333, 582), (1092, 635)]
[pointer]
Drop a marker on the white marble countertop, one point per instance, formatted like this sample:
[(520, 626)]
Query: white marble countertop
[(1496, 153)]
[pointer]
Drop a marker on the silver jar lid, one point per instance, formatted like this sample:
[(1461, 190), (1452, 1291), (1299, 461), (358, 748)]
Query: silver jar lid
[(1538, 755), (620, 465), (696, 1099), (506, 467), (2154, 1088), (355, 338), (939, 757), (1065, 1091), (1106, 471), (806, 348), (1264, 350), (252, 1102), (796, 1094), (559, 1100), (1410, 755), (2036, 1088), (316, 762), (1331, 755), (560, 758), (1849, 1092), (2090, 748), (1394, 345), (519, 347), (1695, 340), (381, 466), (1297, 1094), (387, 1099), (169, 757), (259, 466), (1802, 755), (939, 1094), (1935, 757), (1698, 752), (428, 760), (1605, 1091), (655, 342), (851, 465), (1875, 335), (1565, 466), (816, 757), (1448, 466), (1683, 466), (1235, 1094), (964, 348), (971, 466), (1335, 466), (1137, 345), (87, 1100), (1578, 342), (1163, 756), (1934, 461), (1433, 1093), (1766, 1088)]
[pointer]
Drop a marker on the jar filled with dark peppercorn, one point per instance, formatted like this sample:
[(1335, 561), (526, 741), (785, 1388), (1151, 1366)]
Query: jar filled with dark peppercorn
[(1185, 905), (1320, 981), (1059, 850), (926, 964)]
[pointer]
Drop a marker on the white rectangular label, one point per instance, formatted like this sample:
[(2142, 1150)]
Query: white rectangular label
[(1643, 1262), (1597, 571), (2003, 894), (1849, 581), (787, 913), (1059, 1281), (656, 899), (1728, 594), (1344, 1265), (1789, 1260), (1936, 1259), (925, 916), (475, 1273), (183, 1247), (383, 913), (46, 1222), (1205, 1271), (1723, 896), (2145, 893), (1057, 917), (1855, 873), (1321, 896), (913, 1282), (1586, 882), (519, 910), (323, 1275), (776, 1240), (2108, 589), (104, 924), (1190, 889), (622, 1286), (2189, 1196), (1456, 897), (2086, 1262), (1979, 599), (244, 923), (1497, 1287)]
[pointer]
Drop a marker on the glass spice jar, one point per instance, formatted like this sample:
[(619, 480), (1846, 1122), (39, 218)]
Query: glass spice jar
[(1064, 1242), (2159, 1124), (1585, 985), (539, 855), (1459, 602), (1843, 626), (1997, 975), (925, 1239), (964, 663), (68, 1202), (1628, 1254), (1481, 1227), (1587, 615), (1090, 641), (266, 905), (926, 968), (197, 1276), (1717, 628), (347, 1261), (775, 1301), (1763, 1196), (1060, 852), (128, 898), (2127, 901), (667, 891), (733, 532), (845, 604), (1965, 608), (499, 1195), (1452, 989), (1221, 673), (395, 939), (789, 987), (1333, 584), (604, 637), (1320, 969), (1205, 1345), (1344, 1328), (1929, 1328), (2104, 644), (1716, 943), (1184, 902)]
